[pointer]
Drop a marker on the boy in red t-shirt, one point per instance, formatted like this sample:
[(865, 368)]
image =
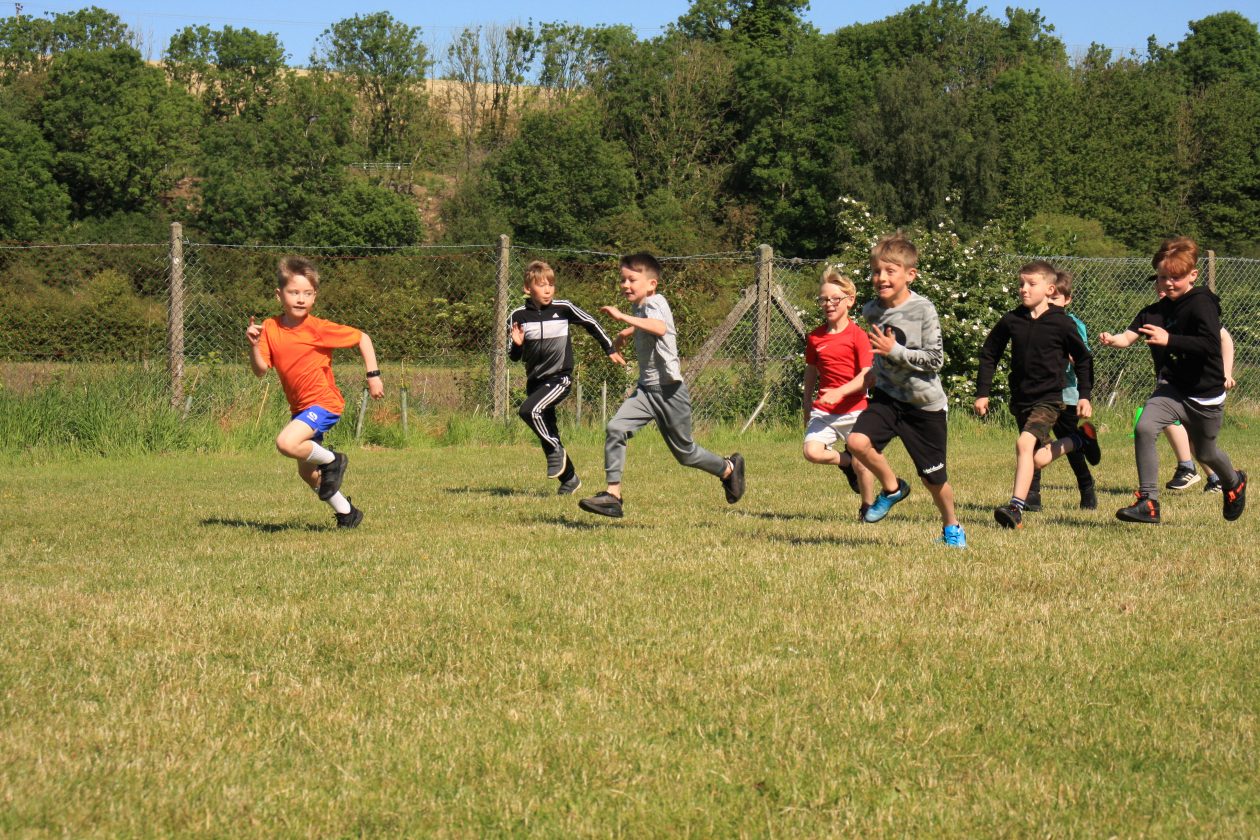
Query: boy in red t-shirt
[(837, 359), (299, 346)]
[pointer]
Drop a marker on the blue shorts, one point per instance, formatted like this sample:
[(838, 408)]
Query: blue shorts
[(319, 419)]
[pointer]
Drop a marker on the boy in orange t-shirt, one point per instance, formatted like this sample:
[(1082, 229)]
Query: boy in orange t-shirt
[(299, 346)]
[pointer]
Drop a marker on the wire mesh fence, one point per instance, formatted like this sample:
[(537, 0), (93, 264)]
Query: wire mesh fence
[(73, 314)]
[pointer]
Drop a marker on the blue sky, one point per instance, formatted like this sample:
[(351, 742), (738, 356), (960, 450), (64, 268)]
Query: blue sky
[(1121, 25)]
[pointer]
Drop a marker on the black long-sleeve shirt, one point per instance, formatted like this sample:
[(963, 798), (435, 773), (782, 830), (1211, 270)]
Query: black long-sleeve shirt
[(1192, 361), (1040, 351), (548, 349)]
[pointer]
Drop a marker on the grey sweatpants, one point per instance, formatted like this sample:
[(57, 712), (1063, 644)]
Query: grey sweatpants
[(670, 407), (1202, 424)]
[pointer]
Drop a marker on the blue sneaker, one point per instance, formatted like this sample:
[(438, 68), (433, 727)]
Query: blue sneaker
[(953, 537), (884, 502)]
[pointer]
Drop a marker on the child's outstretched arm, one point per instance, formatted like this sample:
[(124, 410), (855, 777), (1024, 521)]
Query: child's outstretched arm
[(655, 326), (256, 361), (376, 388), (1124, 339), (1227, 357), (835, 395), (807, 390)]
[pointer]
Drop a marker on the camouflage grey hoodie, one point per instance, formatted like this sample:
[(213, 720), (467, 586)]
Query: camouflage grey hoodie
[(909, 372)]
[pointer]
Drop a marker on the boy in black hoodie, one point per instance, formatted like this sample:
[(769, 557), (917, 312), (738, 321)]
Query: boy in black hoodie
[(1043, 340), (1183, 330), (540, 336)]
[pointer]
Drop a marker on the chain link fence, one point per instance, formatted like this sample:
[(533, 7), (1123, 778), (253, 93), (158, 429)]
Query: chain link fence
[(79, 315)]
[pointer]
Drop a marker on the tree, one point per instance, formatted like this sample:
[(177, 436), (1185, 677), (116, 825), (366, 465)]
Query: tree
[(386, 62), (1220, 47), (28, 43), (32, 203), (118, 130), (1226, 168), (361, 214), (232, 71), (559, 179)]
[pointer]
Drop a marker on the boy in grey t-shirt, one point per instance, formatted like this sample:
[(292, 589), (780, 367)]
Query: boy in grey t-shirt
[(661, 394)]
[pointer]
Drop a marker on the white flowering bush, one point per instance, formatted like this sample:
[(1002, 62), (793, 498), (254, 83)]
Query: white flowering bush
[(966, 279)]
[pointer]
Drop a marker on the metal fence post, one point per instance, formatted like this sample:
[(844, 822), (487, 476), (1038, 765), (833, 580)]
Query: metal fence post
[(765, 269), (498, 356), (175, 317)]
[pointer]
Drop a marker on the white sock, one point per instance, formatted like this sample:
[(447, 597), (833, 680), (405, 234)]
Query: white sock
[(319, 455), (339, 503)]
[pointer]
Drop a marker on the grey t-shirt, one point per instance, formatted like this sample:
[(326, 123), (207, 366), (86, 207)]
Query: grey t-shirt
[(658, 357), (910, 372)]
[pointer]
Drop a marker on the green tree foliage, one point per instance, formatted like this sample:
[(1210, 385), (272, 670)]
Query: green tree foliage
[(117, 129), (361, 214), (1226, 166), (560, 179), (386, 61), (28, 43), (32, 203), (233, 71), (1220, 47)]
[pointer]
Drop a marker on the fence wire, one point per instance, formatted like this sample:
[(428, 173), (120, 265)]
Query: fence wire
[(71, 314)]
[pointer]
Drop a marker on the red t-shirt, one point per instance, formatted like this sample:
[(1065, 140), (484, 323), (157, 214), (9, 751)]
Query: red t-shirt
[(302, 356), (838, 357)]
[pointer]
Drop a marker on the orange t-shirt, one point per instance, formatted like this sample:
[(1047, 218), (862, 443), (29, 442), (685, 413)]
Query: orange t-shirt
[(302, 356)]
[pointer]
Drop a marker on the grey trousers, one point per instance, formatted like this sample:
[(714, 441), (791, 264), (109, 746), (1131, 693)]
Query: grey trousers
[(670, 407), (1202, 424)]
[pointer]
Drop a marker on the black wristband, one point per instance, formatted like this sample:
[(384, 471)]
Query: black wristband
[(372, 373)]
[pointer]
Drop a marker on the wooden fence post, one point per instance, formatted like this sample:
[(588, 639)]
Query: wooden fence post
[(1211, 284), (175, 317), (498, 356), (765, 273)]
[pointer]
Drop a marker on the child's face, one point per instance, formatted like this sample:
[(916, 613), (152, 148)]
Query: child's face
[(541, 290), (1167, 286), (636, 285), (835, 302), (1059, 299), (1034, 289), (892, 282), (297, 296)]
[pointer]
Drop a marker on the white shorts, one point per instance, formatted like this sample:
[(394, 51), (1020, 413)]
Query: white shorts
[(828, 428)]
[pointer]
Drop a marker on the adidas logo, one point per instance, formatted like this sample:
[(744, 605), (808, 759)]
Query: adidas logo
[(555, 315)]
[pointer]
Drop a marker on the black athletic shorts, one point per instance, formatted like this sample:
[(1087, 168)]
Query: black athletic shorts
[(923, 433)]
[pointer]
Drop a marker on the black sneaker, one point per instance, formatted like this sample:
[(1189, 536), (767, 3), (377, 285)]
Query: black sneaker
[(1235, 498), (330, 476), (733, 484), (1144, 509), (1089, 499), (851, 476), (1090, 449), (1009, 516), (351, 519), (603, 504), (1032, 503), (556, 462), (1183, 478), (1214, 485), (568, 488)]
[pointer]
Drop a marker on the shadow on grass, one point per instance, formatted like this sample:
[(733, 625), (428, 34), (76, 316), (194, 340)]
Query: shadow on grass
[(587, 523), (775, 516), (496, 491), (837, 541), (267, 527)]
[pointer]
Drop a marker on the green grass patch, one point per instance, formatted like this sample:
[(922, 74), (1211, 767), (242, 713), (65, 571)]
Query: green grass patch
[(197, 652)]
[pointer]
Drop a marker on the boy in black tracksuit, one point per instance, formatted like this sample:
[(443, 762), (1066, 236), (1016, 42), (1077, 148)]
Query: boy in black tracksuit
[(540, 335), (1183, 330), (1043, 341)]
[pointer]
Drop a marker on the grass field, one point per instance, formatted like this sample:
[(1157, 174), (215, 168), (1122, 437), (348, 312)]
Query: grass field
[(187, 648)]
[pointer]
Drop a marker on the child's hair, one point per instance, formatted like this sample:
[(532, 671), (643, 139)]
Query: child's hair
[(1042, 269), (538, 269), (895, 248), (292, 266), (1063, 284), (833, 276), (1181, 253), (643, 261)]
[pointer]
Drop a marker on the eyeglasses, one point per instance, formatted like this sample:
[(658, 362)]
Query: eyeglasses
[(833, 301)]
